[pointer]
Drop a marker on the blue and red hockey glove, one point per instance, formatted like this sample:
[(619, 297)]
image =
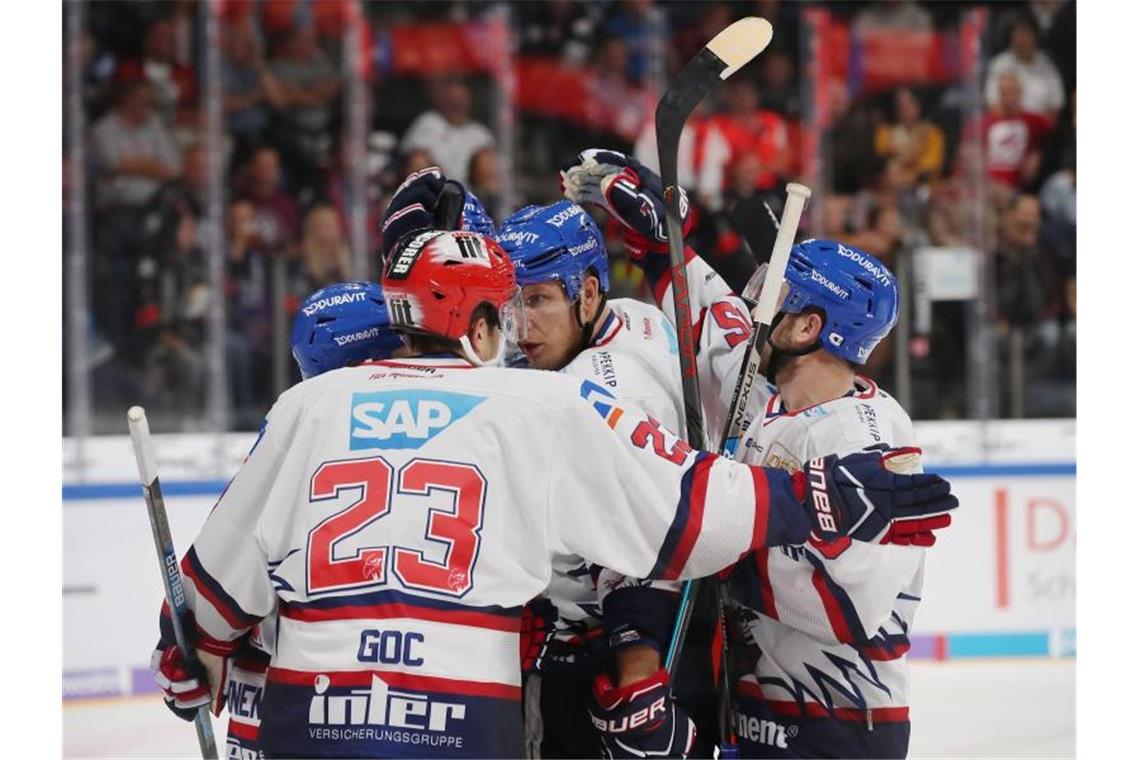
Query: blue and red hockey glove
[(184, 687), (640, 719), (630, 192), (857, 497)]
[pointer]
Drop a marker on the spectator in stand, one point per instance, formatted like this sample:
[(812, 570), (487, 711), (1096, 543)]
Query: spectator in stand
[(447, 132), (172, 83), (1042, 90), (558, 27), (275, 213), (179, 200), (628, 21), (133, 151), (917, 144), (325, 257), (308, 83), (250, 88), (779, 90), (248, 316), (173, 367), (751, 129), (874, 215), (484, 179), (1023, 275), (1013, 137)]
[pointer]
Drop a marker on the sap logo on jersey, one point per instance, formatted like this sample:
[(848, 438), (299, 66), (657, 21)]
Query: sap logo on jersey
[(404, 419)]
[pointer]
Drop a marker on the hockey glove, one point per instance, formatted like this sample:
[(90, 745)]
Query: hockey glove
[(641, 719), (184, 687), (425, 201), (857, 497), (629, 192)]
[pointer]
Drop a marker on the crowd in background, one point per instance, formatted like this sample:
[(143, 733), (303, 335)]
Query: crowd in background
[(898, 176)]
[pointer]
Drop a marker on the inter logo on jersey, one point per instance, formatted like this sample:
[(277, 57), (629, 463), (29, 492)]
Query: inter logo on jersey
[(404, 419)]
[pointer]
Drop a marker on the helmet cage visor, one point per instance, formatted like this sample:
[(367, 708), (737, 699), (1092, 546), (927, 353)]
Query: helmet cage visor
[(512, 316)]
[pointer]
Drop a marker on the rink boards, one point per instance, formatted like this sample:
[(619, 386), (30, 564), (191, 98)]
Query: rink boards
[(1000, 583)]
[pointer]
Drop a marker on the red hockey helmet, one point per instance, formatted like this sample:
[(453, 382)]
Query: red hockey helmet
[(434, 282)]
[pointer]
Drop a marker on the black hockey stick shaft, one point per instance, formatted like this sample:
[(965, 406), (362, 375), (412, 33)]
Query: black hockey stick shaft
[(724, 55), (168, 561), (448, 211)]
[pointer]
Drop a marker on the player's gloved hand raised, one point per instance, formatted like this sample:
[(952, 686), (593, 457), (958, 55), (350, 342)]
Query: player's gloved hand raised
[(640, 719), (184, 687), (426, 200), (630, 192), (857, 497)]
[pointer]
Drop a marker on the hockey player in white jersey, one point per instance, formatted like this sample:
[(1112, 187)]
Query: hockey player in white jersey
[(397, 514), (630, 348), (824, 626)]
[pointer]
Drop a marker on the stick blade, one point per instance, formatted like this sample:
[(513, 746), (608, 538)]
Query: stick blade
[(740, 42)]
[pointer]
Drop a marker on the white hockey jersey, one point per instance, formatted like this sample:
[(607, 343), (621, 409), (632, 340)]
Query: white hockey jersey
[(828, 624), (397, 515)]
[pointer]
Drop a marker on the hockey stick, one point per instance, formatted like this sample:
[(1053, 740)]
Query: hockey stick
[(762, 315), (752, 218), (168, 560), (722, 57)]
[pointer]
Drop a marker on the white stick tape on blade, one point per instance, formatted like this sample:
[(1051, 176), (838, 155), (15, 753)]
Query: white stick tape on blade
[(140, 440), (739, 43), (781, 251)]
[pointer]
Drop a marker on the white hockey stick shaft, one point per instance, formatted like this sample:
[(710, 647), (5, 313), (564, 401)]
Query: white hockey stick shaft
[(762, 315), (168, 561), (777, 265)]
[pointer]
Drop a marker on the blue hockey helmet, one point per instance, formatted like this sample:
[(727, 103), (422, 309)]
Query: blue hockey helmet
[(475, 216), (556, 242), (342, 324), (856, 291)]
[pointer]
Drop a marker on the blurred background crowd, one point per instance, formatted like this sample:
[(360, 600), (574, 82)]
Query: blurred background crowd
[(224, 159)]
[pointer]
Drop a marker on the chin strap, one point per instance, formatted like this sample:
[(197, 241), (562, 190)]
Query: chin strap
[(470, 355)]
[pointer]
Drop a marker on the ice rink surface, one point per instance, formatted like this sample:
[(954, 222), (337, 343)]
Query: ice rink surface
[(967, 708)]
